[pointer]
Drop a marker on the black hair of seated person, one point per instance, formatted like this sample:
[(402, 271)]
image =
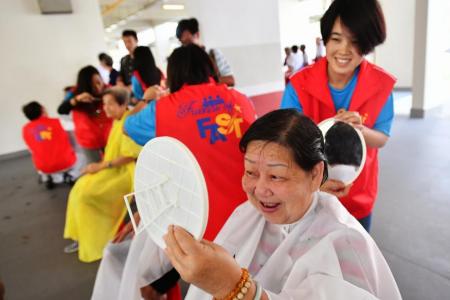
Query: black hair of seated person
[(130, 32), (84, 80), (293, 130), (106, 59), (190, 25), (120, 94), (166, 282), (144, 63), (294, 48), (189, 65), (32, 110), (343, 145), (364, 19)]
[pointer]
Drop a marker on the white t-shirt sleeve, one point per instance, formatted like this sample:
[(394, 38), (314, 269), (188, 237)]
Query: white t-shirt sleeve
[(222, 63)]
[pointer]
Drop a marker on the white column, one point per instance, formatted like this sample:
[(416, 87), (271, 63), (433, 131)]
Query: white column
[(432, 57), (420, 48)]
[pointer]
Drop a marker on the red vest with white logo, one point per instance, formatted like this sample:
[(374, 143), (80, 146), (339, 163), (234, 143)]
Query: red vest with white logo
[(210, 120), (91, 126), (373, 88), (49, 145)]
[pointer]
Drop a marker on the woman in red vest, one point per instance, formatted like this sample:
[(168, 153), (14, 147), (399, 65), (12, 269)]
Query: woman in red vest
[(146, 74), (210, 120), (92, 126), (346, 86)]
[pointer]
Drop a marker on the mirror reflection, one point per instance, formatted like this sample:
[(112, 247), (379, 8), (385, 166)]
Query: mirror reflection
[(344, 149)]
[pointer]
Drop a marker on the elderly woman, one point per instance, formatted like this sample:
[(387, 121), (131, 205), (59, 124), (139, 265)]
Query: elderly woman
[(288, 241), (96, 208)]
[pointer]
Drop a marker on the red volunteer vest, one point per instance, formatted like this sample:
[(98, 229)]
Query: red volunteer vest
[(210, 120), (91, 128), (139, 79), (49, 145), (373, 88)]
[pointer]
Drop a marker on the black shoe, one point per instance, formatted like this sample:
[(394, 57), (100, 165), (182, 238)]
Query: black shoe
[(49, 184), (68, 179)]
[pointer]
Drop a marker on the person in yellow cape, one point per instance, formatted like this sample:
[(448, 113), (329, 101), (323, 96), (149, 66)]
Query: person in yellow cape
[(96, 207)]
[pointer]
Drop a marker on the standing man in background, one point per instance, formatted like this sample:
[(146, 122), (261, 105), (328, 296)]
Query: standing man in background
[(188, 33), (304, 55), (294, 61), (320, 49), (130, 40)]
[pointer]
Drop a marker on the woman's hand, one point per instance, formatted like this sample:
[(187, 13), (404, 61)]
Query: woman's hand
[(127, 229), (154, 92), (373, 138), (351, 117), (93, 168), (84, 97), (202, 263), (149, 293), (335, 187)]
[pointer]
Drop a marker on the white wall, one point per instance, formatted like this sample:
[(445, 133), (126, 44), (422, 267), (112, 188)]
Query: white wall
[(396, 54), (437, 68), (165, 43), (248, 34), (40, 55)]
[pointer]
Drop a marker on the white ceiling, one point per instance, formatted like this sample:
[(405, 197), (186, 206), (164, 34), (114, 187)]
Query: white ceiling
[(136, 14)]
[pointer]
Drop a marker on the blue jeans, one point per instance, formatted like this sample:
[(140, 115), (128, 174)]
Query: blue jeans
[(366, 221)]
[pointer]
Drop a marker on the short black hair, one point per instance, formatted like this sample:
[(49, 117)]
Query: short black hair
[(121, 95), (293, 130), (106, 59), (130, 32), (32, 110), (84, 80), (294, 48), (364, 19), (190, 25), (343, 145), (144, 63), (189, 65), (302, 48)]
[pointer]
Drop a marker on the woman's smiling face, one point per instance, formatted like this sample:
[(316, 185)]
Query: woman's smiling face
[(343, 54), (275, 184)]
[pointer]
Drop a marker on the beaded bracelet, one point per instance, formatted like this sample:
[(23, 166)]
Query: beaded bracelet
[(242, 287)]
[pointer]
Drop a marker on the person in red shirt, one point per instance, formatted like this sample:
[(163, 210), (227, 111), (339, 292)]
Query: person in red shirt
[(92, 126), (47, 141), (346, 86), (210, 119)]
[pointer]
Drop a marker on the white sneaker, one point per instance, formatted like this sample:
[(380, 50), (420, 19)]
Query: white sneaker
[(72, 248)]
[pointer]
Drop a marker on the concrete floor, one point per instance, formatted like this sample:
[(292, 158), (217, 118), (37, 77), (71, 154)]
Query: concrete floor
[(411, 219), (32, 262)]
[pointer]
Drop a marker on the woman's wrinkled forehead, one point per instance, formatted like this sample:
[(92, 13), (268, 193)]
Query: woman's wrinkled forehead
[(268, 153)]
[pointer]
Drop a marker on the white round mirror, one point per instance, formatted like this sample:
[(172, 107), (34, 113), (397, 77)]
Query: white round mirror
[(169, 189), (345, 149)]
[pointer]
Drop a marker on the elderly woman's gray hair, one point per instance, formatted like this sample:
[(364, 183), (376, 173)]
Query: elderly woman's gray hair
[(122, 95)]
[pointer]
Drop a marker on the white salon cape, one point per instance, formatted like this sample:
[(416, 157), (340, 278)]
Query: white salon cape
[(325, 255)]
